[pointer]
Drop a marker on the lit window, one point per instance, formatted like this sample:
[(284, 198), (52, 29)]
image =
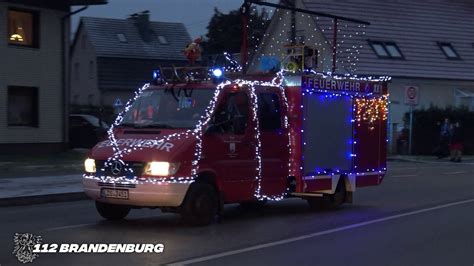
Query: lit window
[(22, 106), (449, 51), (23, 28), (121, 37), (162, 39), (386, 50)]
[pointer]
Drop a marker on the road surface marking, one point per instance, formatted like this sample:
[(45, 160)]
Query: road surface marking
[(326, 232), (69, 227), (455, 173), (96, 223), (401, 175)]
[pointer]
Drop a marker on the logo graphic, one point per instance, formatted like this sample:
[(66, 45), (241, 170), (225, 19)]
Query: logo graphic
[(24, 246), (116, 167)]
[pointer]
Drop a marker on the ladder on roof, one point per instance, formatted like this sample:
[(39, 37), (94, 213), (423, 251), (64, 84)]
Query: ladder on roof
[(186, 74)]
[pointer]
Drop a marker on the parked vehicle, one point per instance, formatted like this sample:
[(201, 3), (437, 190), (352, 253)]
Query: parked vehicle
[(192, 147), (86, 130)]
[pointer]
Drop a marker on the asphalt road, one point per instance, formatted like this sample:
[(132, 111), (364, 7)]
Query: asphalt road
[(423, 214)]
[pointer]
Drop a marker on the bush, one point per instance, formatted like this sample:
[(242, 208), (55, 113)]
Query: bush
[(426, 127)]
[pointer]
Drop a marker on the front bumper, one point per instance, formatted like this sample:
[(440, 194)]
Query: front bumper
[(141, 194)]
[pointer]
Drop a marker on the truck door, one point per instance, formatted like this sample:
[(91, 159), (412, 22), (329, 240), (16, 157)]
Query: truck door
[(229, 146), (274, 140)]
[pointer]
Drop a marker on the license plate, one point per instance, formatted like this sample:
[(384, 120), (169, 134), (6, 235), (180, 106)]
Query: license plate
[(115, 193)]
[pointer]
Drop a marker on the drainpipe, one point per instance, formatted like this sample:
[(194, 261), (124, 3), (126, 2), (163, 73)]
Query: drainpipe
[(65, 73)]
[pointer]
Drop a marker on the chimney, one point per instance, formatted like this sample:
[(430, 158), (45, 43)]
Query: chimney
[(142, 22)]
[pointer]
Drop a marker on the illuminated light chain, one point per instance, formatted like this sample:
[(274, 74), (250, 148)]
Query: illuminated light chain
[(198, 132), (287, 127), (120, 153), (141, 181), (348, 76), (371, 110), (276, 82), (235, 66), (347, 54)]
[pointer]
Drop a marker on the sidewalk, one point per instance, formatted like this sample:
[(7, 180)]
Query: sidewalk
[(61, 163), (40, 189), (469, 159), (58, 188)]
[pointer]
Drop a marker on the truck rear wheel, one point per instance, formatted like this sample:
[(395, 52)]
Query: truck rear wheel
[(200, 205), (112, 211)]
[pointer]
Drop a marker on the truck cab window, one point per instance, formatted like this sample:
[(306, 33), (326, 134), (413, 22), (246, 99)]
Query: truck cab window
[(232, 115), (269, 113)]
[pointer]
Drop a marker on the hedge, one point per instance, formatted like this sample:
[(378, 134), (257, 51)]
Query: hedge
[(426, 127)]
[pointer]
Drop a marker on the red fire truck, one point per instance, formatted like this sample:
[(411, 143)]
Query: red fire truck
[(193, 146)]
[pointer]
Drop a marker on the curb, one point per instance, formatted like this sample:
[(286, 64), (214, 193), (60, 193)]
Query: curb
[(42, 199), (469, 162)]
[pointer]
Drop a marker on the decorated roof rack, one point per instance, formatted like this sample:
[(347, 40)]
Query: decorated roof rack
[(182, 74)]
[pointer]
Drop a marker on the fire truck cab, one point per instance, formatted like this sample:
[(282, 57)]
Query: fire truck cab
[(191, 147)]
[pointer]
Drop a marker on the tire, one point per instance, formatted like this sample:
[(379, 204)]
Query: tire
[(200, 205), (112, 211), (330, 202)]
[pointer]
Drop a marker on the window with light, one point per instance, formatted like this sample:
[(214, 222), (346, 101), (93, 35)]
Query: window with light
[(22, 28)]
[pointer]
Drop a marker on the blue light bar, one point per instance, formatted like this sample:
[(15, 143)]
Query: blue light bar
[(217, 72), (156, 74)]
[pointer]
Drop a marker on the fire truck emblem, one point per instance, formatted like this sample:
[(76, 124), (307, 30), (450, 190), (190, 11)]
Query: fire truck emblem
[(116, 167), (24, 246)]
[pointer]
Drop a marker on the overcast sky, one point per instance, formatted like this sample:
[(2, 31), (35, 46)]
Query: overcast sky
[(195, 14)]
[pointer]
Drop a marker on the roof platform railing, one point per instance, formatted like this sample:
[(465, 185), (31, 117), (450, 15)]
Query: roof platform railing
[(187, 74)]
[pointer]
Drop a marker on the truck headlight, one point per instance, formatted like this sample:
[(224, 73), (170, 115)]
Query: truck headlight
[(161, 168), (89, 165)]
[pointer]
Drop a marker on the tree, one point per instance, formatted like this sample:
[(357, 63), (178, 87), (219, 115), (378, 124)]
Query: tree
[(225, 31)]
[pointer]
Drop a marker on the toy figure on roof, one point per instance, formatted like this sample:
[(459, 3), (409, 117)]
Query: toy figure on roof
[(193, 51)]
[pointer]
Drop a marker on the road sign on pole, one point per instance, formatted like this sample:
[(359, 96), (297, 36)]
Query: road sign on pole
[(411, 98), (411, 95)]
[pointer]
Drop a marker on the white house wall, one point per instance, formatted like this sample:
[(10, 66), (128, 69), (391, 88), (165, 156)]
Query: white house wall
[(84, 88), (435, 92), (33, 67)]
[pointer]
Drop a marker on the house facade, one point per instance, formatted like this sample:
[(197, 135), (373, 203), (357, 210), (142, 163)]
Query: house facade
[(33, 82), (111, 58), (423, 45)]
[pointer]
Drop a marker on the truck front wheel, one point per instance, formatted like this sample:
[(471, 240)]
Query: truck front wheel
[(112, 211), (200, 205)]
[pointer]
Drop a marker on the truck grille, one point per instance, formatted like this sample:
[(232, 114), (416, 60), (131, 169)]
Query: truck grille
[(117, 169)]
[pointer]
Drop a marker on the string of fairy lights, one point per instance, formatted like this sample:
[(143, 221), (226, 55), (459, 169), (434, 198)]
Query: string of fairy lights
[(367, 108), (312, 31)]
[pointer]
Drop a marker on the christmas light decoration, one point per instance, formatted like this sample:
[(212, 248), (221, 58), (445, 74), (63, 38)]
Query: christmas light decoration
[(365, 110), (371, 110)]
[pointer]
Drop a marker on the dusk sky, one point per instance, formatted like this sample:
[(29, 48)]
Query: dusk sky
[(195, 14)]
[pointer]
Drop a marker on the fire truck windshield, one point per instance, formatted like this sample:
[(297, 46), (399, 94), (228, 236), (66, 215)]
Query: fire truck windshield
[(170, 108)]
